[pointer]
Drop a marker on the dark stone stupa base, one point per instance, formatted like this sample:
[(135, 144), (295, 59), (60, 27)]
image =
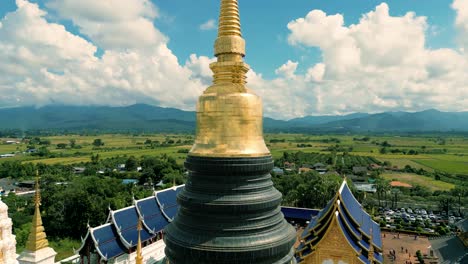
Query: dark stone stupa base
[(229, 213)]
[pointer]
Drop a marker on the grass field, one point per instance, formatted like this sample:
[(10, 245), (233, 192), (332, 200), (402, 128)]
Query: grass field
[(454, 160), (415, 179)]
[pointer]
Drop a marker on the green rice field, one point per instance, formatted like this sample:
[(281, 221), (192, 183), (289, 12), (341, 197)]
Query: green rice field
[(454, 158)]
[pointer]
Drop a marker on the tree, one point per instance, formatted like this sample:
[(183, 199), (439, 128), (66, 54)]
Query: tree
[(386, 144), (131, 164), (72, 143), (98, 142), (382, 186), (61, 146), (95, 158), (42, 152), (445, 204), (459, 192)]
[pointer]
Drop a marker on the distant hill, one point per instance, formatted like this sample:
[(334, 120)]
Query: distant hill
[(425, 121), (137, 117), (146, 118)]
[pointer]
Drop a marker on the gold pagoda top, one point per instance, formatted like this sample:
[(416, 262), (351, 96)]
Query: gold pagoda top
[(37, 238), (229, 115)]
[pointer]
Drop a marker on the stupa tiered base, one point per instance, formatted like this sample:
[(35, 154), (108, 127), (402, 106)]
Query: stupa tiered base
[(229, 213)]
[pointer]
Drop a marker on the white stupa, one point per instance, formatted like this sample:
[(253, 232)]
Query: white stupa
[(7, 239)]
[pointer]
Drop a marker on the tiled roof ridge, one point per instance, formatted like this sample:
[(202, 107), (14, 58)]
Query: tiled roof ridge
[(118, 229)]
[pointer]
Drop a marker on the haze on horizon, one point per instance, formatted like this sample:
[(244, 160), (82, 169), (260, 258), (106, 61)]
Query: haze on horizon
[(307, 58)]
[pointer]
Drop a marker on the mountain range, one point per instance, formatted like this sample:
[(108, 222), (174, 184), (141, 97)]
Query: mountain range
[(147, 118)]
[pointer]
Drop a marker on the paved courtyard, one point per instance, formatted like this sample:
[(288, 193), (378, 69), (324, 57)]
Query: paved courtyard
[(405, 247)]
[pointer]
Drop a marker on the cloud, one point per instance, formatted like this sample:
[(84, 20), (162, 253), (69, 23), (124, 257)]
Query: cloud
[(113, 24), (461, 22), (378, 64), (287, 70), (208, 25), (43, 63)]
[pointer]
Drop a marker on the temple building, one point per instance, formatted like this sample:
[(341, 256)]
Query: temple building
[(117, 241), (229, 210), (7, 239), (37, 247), (341, 233)]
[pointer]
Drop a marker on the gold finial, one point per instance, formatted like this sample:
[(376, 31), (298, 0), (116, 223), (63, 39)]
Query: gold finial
[(371, 248), (229, 115), (37, 238), (37, 194), (229, 46), (139, 257), (229, 19)]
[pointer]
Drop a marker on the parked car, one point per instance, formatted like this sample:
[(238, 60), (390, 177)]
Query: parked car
[(428, 230)]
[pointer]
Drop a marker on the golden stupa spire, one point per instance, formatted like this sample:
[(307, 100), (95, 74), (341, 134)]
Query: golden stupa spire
[(229, 19), (139, 257), (229, 115), (37, 238)]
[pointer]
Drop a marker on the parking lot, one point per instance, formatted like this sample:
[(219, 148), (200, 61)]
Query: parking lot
[(418, 220)]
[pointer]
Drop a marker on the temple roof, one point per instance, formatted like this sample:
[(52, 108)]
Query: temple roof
[(120, 234), (299, 213), (360, 231)]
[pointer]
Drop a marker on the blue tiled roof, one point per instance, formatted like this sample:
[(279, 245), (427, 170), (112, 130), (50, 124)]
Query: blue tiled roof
[(365, 245), (348, 222), (168, 202), (107, 242), (352, 220), (151, 214), (348, 236), (126, 220), (378, 257), (120, 234), (359, 216), (364, 259), (299, 213), (316, 220)]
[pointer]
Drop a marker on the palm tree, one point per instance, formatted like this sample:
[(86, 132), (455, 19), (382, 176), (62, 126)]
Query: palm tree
[(382, 186)]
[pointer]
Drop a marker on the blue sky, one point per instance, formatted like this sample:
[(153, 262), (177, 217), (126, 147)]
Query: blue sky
[(264, 25), (285, 55)]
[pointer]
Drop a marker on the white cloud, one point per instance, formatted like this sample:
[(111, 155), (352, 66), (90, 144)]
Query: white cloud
[(208, 25), (378, 64), (113, 24), (287, 70), (461, 22), (43, 63)]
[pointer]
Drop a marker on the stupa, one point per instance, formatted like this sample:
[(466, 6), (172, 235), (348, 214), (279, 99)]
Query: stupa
[(229, 210), (7, 239)]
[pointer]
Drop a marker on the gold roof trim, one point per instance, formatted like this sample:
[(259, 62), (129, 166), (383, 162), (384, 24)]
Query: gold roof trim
[(139, 256), (37, 237)]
